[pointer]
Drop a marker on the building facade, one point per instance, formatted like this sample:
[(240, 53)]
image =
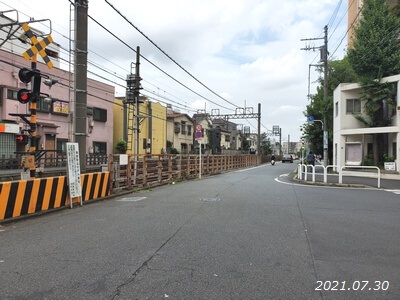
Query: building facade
[(180, 132), (352, 141), (55, 114)]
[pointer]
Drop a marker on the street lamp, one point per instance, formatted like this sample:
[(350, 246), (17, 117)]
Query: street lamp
[(311, 120)]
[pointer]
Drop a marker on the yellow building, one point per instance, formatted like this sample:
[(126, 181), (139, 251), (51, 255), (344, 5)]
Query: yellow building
[(152, 126)]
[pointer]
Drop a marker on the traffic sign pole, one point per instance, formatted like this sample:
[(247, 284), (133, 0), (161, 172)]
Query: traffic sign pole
[(200, 161), (198, 136)]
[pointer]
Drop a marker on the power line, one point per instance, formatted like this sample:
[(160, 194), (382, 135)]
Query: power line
[(154, 65), (162, 51)]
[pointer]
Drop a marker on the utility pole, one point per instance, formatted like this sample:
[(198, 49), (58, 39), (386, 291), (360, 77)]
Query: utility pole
[(80, 111), (137, 102), (324, 59), (259, 129)]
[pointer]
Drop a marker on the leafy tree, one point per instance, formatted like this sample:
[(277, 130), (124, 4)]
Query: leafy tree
[(376, 54), (265, 144), (340, 71)]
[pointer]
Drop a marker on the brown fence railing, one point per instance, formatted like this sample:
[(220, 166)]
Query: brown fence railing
[(150, 170)]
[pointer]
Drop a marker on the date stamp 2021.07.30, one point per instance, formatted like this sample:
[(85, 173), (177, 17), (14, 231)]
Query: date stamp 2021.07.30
[(356, 285)]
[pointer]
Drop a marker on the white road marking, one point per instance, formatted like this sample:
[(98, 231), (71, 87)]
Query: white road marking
[(131, 199)]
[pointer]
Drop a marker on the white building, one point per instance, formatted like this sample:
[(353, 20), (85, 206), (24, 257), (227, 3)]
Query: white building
[(352, 141)]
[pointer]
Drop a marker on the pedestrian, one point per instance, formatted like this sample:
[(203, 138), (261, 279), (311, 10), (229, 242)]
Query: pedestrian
[(311, 158)]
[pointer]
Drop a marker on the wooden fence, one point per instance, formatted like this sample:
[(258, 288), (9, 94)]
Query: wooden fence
[(150, 170)]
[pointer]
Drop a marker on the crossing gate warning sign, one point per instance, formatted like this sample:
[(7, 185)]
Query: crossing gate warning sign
[(37, 46)]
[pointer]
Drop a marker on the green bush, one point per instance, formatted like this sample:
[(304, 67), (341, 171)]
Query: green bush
[(121, 146)]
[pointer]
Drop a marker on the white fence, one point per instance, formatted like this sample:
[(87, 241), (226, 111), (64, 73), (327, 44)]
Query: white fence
[(303, 171)]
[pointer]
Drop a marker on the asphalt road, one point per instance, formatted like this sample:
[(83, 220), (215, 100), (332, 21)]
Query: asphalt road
[(250, 234)]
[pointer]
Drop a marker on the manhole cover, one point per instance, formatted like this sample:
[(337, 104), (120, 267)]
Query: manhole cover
[(209, 199)]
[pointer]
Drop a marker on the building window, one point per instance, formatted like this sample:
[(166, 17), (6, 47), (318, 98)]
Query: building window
[(336, 109), (11, 94), (89, 111), (189, 128), (62, 145), (43, 106), (177, 128), (7, 142), (99, 114), (183, 127), (99, 148), (353, 106), (184, 148)]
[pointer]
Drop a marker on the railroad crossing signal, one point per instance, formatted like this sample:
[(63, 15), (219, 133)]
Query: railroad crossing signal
[(26, 75), (37, 46), (22, 139)]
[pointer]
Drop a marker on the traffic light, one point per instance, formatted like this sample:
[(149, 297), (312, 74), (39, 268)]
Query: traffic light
[(22, 139), (27, 75)]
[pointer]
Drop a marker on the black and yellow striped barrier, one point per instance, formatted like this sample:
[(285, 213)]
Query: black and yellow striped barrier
[(24, 197)]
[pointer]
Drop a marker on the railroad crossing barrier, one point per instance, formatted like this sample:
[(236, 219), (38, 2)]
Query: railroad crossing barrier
[(26, 197)]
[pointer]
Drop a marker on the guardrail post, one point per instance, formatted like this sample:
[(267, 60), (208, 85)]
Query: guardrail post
[(299, 171), (341, 174), (313, 173)]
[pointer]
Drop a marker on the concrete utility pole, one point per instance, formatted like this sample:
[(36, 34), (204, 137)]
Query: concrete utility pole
[(324, 59), (259, 129), (137, 102), (80, 73)]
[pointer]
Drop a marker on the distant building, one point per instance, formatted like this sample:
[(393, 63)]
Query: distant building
[(152, 126), (180, 132)]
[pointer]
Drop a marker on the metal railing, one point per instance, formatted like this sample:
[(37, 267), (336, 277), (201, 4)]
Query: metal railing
[(303, 170)]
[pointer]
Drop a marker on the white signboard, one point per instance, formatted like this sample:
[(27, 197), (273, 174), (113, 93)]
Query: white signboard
[(74, 171)]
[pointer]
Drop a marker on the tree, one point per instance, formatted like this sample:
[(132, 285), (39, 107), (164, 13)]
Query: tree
[(265, 144), (121, 146), (376, 54), (340, 71)]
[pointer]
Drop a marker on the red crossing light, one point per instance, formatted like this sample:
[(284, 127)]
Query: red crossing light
[(24, 96), (21, 139)]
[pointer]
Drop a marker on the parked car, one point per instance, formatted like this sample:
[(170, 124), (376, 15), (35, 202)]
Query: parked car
[(287, 158)]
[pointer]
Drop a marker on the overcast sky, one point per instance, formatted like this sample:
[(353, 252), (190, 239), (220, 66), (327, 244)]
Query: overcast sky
[(243, 52)]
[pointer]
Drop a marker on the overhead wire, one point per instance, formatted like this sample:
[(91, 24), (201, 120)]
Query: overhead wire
[(154, 65), (64, 52), (162, 51)]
